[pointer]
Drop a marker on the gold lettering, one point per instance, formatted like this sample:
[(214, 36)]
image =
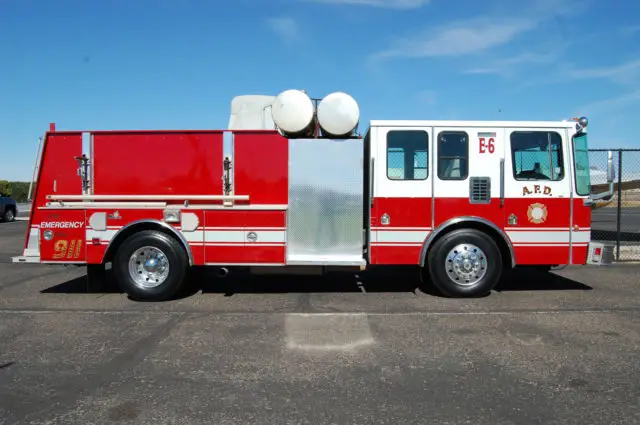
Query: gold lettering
[(71, 249), (60, 249)]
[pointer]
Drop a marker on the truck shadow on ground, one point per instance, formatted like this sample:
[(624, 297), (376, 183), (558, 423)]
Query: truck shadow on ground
[(389, 279)]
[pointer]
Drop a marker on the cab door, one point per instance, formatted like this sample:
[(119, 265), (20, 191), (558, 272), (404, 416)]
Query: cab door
[(402, 193), (538, 195), (467, 174)]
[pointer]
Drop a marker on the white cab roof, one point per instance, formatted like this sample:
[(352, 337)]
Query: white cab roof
[(445, 123)]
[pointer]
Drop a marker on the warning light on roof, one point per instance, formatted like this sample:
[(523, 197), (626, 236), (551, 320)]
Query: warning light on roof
[(582, 122)]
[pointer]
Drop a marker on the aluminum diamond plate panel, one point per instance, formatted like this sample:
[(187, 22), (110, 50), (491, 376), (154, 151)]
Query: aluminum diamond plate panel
[(326, 202)]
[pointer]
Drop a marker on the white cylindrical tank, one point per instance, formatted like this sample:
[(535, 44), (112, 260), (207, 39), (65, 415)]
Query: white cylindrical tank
[(338, 114), (292, 112)]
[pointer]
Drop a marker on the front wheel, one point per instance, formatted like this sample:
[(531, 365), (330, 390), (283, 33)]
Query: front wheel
[(465, 263), (150, 265), (9, 216)]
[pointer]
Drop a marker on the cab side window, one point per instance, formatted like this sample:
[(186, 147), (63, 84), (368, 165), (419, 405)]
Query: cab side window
[(407, 157), (453, 155), (537, 155)]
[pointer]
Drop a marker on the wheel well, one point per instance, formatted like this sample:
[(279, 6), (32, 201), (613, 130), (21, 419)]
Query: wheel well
[(498, 238), (131, 229)]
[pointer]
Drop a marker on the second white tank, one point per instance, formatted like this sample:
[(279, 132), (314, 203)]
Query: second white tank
[(338, 114)]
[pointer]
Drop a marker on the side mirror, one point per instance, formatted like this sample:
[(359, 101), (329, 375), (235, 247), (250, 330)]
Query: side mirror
[(610, 178), (610, 171)]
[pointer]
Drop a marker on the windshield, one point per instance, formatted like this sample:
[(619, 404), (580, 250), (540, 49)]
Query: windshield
[(537, 155), (581, 157)]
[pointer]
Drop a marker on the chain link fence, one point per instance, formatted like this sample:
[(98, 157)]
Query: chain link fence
[(617, 221)]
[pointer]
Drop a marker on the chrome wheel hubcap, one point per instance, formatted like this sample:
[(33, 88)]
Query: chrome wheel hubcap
[(148, 267), (466, 264)]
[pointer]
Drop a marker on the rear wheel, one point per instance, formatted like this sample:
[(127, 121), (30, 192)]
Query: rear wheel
[(150, 265), (465, 263)]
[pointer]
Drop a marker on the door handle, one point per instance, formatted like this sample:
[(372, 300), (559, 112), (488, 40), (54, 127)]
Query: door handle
[(501, 182)]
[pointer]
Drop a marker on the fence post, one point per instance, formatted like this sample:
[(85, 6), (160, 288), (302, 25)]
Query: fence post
[(619, 209)]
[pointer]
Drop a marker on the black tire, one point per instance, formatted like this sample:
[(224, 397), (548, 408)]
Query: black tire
[(173, 252), (9, 215), (437, 264)]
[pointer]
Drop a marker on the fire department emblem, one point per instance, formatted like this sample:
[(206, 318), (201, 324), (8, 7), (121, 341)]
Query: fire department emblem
[(537, 213)]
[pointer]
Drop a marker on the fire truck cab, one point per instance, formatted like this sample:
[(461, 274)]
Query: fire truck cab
[(462, 200)]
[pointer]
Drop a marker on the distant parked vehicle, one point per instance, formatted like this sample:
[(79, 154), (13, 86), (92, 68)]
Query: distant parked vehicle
[(8, 208)]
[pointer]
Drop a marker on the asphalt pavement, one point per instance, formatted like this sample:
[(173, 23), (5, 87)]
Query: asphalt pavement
[(557, 348)]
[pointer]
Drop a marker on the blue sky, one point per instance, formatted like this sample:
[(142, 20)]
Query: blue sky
[(117, 64)]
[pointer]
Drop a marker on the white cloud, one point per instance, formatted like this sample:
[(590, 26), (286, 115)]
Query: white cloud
[(608, 105), (486, 70), (388, 4), (285, 28), (461, 38), (480, 34), (505, 66), (625, 73)]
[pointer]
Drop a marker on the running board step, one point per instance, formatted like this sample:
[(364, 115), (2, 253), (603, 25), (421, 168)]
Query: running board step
[(325, 260)]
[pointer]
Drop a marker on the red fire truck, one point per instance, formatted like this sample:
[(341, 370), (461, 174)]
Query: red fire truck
[(298, 188)]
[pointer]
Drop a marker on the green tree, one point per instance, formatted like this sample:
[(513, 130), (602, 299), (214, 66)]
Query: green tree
[(5, 188), (20, 191)]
